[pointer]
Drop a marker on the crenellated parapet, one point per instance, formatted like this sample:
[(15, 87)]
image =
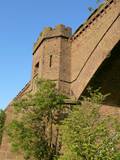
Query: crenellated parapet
[(48, 32), (96, 16)]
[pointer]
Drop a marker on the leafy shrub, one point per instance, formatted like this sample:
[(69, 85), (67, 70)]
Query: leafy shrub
[(87, 135), (31, 131)]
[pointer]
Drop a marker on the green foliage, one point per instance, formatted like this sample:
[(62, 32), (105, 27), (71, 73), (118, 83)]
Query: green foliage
[(31, 131), (94, 96), (2, 120), (86, 135), (100, 4)]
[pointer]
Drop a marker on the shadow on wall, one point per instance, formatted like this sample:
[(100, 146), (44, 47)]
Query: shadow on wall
[(107, 77)]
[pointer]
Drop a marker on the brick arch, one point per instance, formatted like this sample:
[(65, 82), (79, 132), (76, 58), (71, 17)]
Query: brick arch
[(91, 49), (107, 77)]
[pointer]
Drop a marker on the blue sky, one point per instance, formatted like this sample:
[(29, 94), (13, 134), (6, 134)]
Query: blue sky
[(21, 21)]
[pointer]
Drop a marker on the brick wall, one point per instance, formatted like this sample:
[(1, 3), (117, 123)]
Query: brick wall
[(6, 152), (97, 41)]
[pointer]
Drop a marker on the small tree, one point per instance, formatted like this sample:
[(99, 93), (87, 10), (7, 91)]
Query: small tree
[(2, 121), (31, 131), (86, 135)]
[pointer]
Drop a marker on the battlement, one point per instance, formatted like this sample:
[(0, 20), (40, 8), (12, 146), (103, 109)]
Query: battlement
[(48, 32), (94, 17)]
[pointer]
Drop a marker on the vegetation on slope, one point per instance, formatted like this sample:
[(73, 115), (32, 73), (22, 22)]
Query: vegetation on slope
[(2, 120), (83, 134), (31, 132), (87, 135)]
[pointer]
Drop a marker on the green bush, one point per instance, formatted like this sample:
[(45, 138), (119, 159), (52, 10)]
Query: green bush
[(84, 135), (87, 135), (31, 131)]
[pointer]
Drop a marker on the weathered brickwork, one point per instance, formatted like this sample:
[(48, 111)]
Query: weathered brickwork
[(6, 152), (92, 46), (52, 56), (76, 61)]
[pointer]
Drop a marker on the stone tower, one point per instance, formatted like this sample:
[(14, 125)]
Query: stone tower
[(51, 56)]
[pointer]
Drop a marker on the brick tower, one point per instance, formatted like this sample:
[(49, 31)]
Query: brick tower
[(51, 56)]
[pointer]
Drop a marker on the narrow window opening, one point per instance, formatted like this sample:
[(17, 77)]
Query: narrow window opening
[(37, 65), (50, 64), (36, 68)]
